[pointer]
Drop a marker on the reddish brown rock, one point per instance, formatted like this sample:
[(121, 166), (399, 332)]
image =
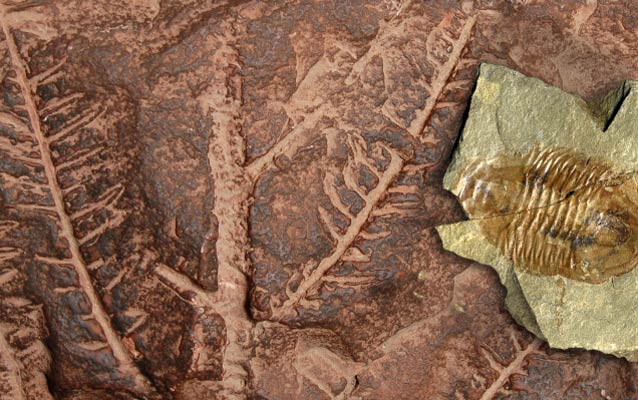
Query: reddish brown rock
[(236, 199)]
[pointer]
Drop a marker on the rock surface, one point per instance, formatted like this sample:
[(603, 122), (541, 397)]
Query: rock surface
[(236, 200), (511, 114)]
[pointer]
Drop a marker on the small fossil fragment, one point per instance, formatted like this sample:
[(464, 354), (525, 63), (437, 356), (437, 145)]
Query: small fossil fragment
[(555, 212)]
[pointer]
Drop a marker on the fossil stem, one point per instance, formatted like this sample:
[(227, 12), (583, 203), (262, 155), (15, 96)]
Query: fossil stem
[(232, 189)]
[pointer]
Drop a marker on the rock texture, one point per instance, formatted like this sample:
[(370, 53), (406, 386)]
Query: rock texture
[(236, 200)]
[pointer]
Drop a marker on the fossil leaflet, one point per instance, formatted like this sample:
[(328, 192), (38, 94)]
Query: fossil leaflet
[(51, 178)]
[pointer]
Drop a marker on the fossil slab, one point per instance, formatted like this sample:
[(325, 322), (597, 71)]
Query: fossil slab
[(549, 186)]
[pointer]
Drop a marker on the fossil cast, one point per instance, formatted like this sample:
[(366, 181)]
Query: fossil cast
[(553, 212), (549, 187)]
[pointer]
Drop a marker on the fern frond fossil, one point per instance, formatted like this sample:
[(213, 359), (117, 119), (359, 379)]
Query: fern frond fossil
[(33, 145), (315, 273), (444, 46)]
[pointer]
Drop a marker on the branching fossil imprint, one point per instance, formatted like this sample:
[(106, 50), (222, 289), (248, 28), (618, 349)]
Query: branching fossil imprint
[(505, 372), (54, 177), (444, 44), (554, 212), (232, 174), (313, 275)]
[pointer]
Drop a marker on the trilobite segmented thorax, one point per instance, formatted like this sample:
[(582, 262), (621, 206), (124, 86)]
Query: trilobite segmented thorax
[(555, 212)]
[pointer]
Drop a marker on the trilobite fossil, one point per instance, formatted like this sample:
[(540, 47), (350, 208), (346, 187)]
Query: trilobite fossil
[(555, 212)]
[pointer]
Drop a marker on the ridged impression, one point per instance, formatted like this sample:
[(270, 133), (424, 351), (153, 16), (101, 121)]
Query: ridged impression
[(555, 212)]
